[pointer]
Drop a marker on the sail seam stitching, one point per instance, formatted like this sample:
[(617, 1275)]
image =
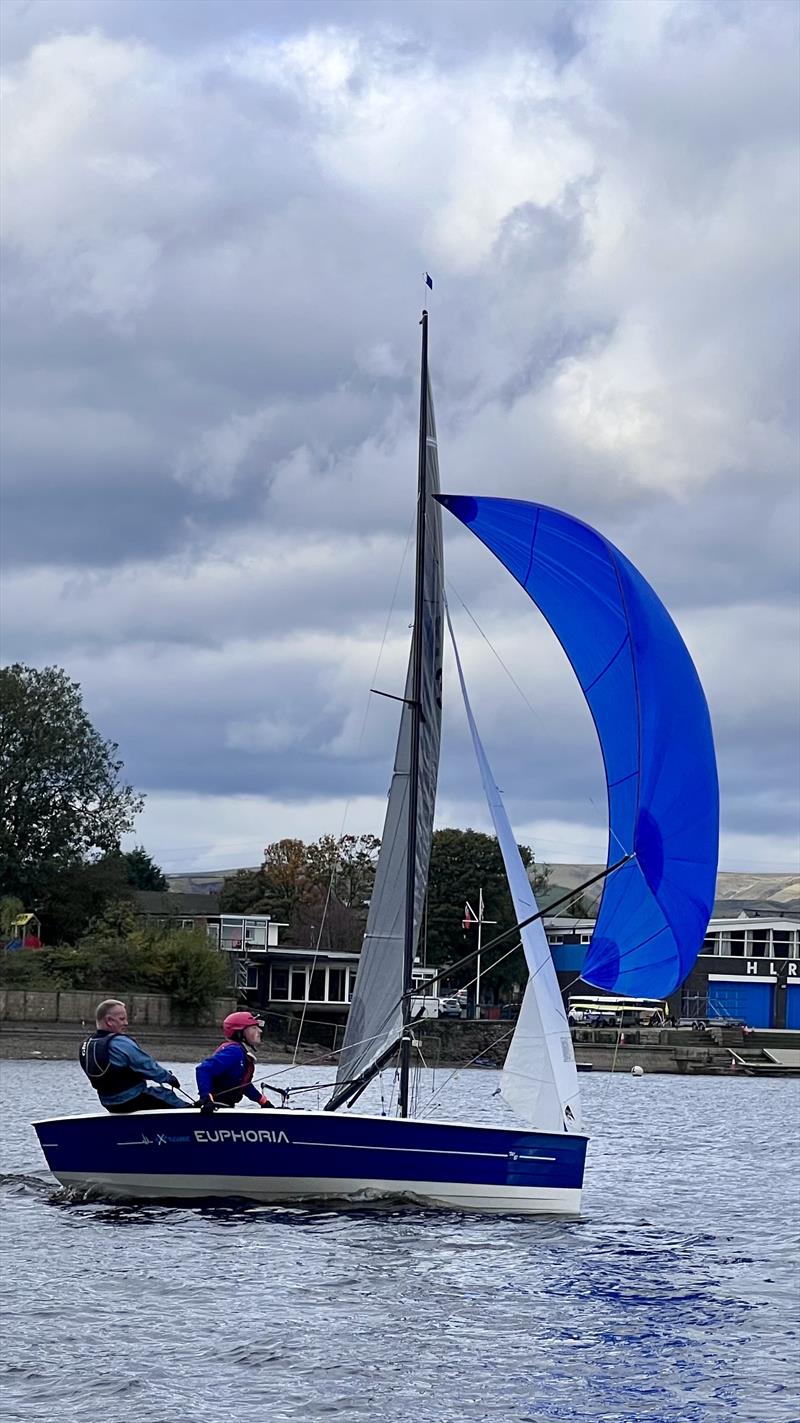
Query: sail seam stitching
[(626, 639)]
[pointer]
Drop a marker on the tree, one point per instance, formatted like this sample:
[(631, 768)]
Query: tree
[(242, 893), (74, 897), (61, 797), (280, 888), (143, 872), (321, 891), (185, 966), (10, 909), (347, 864), (462, 863)]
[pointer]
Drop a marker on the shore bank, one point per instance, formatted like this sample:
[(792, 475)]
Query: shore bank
[(59, 1042), (447, 1044)]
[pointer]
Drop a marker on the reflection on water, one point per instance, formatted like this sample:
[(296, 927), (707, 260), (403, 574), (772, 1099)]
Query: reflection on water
[(672, 1300)]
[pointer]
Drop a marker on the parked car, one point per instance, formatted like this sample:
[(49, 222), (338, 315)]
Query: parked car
[(449, 1008)]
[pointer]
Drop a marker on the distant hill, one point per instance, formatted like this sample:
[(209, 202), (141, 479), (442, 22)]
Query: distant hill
[(736, 892), (204, 881)]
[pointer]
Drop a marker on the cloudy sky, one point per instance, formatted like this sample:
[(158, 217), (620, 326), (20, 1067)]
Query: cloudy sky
[(216, 217)]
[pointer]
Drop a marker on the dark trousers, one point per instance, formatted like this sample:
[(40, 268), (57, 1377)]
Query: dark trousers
[(143, 1103)]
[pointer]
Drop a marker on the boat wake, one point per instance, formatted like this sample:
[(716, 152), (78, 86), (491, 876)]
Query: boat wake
[(22, 1183)]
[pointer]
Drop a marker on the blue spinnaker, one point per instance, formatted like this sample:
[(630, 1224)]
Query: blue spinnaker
[(655, 734)]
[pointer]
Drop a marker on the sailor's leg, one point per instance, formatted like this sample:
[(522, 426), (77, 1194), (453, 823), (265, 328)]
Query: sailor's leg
[(153, 1100), (163, 1097)]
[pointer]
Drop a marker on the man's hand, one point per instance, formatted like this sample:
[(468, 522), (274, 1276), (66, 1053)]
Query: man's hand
[(264, 1101), (207, 1106), (172, 1080)]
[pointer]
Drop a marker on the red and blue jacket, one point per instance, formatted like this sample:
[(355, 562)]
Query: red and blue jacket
[(227, 1075)]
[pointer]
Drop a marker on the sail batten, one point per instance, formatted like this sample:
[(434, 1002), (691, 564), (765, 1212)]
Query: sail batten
[(650, 714)]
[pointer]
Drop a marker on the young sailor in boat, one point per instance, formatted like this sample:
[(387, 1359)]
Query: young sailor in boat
[(119, 1070), (227, 1075)]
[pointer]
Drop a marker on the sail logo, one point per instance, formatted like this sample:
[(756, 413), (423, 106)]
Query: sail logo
[(275, 1138)]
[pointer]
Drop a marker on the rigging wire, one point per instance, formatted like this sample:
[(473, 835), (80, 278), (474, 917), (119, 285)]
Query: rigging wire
[(316, 1086), (359, 744), (534, 710)]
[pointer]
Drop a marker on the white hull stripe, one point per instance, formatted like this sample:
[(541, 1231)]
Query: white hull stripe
[(518, 1200), (417, 1150)]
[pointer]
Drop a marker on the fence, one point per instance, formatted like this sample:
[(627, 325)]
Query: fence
[(155, 1010)]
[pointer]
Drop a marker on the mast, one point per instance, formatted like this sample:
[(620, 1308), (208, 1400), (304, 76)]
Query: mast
[(416, 716)]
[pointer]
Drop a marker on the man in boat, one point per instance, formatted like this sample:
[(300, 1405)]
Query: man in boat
[(120, 1071), (227, 1075)]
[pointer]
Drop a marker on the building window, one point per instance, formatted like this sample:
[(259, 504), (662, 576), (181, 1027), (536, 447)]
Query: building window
[(186, 924), (336, 979), (351, 983), (556, 938), (298, 993), (252, 976), (586, 938), (784, 942), (316, 991), (280, 983), (231, 937), (761, 945), (213, 934), (737, 945)]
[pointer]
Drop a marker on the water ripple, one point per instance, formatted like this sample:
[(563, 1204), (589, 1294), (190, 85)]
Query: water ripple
[(672, 1301)]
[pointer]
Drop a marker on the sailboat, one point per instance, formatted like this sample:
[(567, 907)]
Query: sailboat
[(655, 736)]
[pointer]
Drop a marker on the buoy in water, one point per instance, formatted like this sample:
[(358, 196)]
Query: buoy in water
[(637, 1071)]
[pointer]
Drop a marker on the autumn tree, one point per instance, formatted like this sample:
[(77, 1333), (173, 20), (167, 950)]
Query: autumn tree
[(320, 891), (61, 797)]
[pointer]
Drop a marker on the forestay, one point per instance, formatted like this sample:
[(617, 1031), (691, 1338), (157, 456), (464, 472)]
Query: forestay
[(655, 734), (539, 1078), (375, 1018)]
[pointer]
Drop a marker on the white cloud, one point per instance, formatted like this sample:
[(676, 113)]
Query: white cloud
[(213, 259)]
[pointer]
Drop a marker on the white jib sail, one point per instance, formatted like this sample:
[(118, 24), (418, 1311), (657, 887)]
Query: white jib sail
[(539, 1079)]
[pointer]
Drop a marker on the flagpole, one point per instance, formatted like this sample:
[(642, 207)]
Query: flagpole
[(478, 977)]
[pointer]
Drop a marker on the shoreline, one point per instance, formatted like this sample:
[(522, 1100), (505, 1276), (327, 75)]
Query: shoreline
[(446, 1045), (26, 1042)]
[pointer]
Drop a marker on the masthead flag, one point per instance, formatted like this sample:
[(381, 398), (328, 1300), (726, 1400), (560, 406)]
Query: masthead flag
[(429, 280)]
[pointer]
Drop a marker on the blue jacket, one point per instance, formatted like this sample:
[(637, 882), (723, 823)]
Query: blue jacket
[(124, 1052), (225, 1075)]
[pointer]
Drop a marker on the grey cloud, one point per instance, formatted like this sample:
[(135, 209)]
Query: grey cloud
[(212, 276), (195, 24)]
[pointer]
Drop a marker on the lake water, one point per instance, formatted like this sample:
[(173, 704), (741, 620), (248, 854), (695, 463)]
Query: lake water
[(673, 1300)]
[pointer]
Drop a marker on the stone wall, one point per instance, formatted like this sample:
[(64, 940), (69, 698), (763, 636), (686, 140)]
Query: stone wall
[(63, 1005)]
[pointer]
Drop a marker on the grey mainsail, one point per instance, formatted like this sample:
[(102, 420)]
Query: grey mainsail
[(375, 1019)]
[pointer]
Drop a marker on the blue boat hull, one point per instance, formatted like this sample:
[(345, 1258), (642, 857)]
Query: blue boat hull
[(284, 1156)]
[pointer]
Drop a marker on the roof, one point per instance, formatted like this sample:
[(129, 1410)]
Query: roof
[(312, 954), (756, 894), (756, 908)]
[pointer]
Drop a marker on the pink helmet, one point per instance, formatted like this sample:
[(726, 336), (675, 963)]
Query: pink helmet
[(236, 1023)]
